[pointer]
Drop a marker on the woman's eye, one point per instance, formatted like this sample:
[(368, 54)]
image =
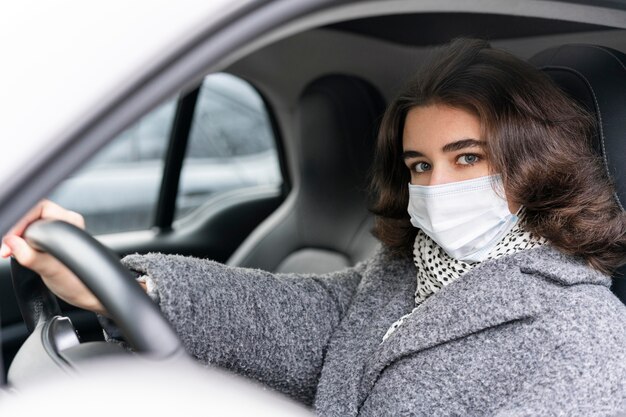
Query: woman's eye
[(421, 167), (468, 159)]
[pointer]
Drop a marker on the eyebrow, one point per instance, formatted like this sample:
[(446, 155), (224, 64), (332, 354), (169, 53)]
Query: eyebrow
[(462, 144), (449, 147)]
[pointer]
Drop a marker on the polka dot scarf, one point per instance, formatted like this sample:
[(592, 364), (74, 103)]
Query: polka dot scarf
[(436, 269)]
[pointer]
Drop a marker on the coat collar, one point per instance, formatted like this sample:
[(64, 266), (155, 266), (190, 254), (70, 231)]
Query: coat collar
[(560, 268), (514, 287)]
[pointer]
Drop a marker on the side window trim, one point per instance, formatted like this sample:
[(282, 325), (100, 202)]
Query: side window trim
[(180, 132), (174, 158), (278, 142), (272, 125)]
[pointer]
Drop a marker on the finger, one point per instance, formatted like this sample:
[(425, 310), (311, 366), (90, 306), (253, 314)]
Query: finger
[(30, 258), (20, 250), (5, 250), (32, 215), (53, 211), (45, 209), (18, 229), (76, 219)]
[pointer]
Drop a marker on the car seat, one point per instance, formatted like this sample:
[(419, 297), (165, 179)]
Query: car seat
[(324, 224), (596, 77)]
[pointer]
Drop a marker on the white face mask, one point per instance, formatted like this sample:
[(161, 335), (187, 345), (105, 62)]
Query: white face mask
[(466, 218)]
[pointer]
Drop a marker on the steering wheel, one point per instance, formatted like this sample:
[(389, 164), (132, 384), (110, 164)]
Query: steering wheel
[(53, 342)]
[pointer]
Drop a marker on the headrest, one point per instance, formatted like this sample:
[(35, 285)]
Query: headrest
[(338, 118), (596, 77), (323, 225)]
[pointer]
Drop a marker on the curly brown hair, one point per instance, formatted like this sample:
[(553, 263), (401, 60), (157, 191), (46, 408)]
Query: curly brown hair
[(538, 139)]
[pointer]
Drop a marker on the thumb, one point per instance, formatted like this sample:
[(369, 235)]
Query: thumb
[(22, 252), (5, 251)]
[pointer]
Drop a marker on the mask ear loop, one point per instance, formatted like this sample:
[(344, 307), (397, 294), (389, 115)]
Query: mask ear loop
[(499, 189)]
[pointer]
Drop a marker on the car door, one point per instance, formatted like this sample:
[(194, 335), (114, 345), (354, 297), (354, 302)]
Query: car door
[(192, 177)]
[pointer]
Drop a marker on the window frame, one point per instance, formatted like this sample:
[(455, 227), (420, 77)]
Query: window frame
[(178, 141), (174, 159)]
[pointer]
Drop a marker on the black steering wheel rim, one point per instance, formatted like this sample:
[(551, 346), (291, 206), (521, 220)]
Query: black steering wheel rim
[(138, 318)]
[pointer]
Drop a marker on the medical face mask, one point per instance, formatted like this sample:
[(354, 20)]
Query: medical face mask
[(466, 218)]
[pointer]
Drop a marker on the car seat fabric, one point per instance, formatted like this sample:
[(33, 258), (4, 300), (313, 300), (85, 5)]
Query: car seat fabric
[(324, 224), (596, 77)]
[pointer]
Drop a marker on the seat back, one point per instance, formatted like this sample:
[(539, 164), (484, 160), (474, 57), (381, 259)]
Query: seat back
[(596, 77), (324, 224)]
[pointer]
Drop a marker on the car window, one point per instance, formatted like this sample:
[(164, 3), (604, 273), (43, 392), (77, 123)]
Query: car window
[(231, 146), (118, 188), (231, 143)]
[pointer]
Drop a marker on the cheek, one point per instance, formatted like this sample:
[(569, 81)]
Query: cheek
[(421, 179), (483, 169), (476, 171)]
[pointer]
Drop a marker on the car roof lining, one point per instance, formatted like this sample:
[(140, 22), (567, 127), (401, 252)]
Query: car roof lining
[(426, 29), (589, 14)]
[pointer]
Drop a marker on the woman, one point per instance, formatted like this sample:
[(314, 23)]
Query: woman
[(489, 296)]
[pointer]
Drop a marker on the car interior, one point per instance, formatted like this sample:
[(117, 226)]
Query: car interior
[(325, 90)]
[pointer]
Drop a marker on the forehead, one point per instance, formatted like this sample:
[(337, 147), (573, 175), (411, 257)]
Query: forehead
[(437, 124)]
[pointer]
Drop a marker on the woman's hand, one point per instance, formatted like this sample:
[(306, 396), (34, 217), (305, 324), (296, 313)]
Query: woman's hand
[(54, 274)]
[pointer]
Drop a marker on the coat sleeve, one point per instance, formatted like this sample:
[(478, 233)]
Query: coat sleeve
[(271, 327)]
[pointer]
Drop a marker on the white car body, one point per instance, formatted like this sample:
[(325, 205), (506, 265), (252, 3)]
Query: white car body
[(76, 57)]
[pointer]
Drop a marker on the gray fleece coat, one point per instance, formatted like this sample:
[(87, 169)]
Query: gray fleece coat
[(536, 333)]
